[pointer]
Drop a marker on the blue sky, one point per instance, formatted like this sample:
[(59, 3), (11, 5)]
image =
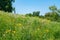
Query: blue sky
[(28, 6)]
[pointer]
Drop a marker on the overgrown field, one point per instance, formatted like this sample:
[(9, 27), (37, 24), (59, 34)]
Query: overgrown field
[(19, 27)]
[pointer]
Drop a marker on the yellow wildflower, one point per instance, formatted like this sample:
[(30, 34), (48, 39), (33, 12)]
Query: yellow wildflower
[(8, 31), (47, 31), (18, 24), (14, 31)]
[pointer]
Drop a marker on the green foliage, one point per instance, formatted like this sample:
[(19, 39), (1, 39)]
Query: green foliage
[(36, 13), (53, 8), (29, 14), (41, 16), (18, 27), (52, 16), (57, 35), (6, 5)]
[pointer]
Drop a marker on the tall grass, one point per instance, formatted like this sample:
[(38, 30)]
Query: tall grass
[(18, 27)]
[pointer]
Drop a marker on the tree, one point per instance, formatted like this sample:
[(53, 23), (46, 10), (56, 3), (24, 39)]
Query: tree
[(54, 15), (58, 10), (29, 14), (36, 13), (6, 5), (53, 8)]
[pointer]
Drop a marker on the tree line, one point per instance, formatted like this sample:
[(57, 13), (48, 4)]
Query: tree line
[(53, 15)]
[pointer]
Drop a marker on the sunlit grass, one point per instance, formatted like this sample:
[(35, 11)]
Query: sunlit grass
[(18, 27)]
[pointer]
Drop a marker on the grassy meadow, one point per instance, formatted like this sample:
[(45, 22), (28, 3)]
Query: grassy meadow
[(20, 27)]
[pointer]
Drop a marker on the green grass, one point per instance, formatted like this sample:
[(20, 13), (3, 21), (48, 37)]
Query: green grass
[(19, 27)]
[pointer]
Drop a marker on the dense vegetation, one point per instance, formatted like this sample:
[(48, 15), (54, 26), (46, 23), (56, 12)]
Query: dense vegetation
[(19, 27), (31, 26), (6, 5), (53, 15)]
